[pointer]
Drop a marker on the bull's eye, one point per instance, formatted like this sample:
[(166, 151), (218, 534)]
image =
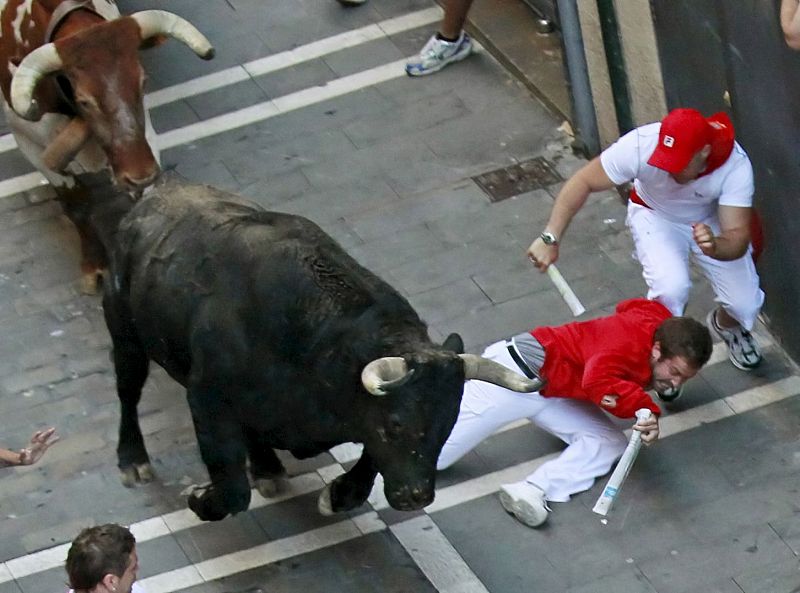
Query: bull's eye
[(84, 104), (395, 426)]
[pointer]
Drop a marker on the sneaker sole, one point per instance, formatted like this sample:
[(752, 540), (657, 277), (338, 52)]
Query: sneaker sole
[(522, 511), (741, 366), (453, 60)]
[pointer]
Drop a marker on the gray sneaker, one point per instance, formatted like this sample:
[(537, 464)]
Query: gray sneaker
[(438, 53), (743, 348), (526, 502)]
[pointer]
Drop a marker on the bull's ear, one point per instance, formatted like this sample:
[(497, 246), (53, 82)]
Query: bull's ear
[(454, 343)]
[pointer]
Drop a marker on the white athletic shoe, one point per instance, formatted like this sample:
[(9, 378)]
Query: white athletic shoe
[(438, 53), (743, 349), (526, 502)]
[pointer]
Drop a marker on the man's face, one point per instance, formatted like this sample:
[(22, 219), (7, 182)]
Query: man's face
[(669, 372), (696, 166), (128, 577)]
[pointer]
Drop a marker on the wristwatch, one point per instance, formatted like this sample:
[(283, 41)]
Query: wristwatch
[(548, 238)]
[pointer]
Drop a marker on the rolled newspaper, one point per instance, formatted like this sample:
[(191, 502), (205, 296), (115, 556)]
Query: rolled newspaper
[(565, 291)]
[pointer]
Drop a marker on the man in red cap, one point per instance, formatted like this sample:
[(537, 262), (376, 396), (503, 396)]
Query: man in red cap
[(692, 194)]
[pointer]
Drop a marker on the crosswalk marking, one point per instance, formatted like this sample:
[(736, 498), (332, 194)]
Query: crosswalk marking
[(436, 556), (281, 105), (446, 498)]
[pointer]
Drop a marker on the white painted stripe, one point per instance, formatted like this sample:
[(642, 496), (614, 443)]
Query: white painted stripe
[(174, 580), (196, 86), (7, 143), (37, 562), (436, 556), (369, 523), (746, 401), (15, 185), (451, 496), (229, 564), (149, 529), (281, 105), (154, 527)]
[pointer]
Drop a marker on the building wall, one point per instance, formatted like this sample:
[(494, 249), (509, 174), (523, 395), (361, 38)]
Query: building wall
[(597, 65), (645, 82)]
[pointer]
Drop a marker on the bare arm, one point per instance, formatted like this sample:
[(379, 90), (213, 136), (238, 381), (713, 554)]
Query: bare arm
[(590, 178), (790, 22), (734, 236)]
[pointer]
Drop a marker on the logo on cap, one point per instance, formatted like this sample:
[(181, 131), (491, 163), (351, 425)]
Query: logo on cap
[(669, 141)]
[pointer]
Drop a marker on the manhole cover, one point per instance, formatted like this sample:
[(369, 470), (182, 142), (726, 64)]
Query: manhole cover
[(536, 173)]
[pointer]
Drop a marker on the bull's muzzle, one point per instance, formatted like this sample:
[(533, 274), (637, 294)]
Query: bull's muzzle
[(410, 497)]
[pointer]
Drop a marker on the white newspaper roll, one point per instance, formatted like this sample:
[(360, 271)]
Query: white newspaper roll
[(614, 484), (565, 291)]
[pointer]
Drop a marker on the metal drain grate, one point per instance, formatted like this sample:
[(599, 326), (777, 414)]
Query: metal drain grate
[(536, 173)]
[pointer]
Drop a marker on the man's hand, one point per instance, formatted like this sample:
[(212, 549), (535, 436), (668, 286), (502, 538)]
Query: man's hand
[(542, 255), (41, 440), (705, 239), (648, 428)]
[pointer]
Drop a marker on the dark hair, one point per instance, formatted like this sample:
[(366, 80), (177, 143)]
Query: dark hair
[(685, 337), (96, 552)]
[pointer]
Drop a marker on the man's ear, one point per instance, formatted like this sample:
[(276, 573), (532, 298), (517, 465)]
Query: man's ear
[(110, 582), (655, 352)]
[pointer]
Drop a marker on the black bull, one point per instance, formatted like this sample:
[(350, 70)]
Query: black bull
[(282, 341)]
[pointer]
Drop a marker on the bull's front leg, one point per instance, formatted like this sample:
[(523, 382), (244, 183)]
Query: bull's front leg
[(222, 447), (350, 490), (269, 475)]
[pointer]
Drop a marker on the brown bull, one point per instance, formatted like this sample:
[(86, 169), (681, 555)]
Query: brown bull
[(73, 88)]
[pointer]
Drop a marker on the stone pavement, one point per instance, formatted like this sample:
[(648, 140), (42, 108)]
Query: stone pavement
[(387, 169)]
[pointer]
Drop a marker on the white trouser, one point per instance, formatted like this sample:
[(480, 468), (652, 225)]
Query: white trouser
[(663, 249), (594, 443)]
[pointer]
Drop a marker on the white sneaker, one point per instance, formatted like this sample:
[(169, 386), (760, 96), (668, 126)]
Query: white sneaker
[(526, 502), (743, 348), (438, 53)]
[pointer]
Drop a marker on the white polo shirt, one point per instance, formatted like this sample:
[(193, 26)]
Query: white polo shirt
[(729, 185)]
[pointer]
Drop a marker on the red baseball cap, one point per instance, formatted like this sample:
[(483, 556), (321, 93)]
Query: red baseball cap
[(683, 133)]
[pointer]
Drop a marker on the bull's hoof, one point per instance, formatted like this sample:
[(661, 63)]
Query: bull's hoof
[(211, 503), (203, 508), (136, 473), (146, 472), (324, 504), (271, 487)]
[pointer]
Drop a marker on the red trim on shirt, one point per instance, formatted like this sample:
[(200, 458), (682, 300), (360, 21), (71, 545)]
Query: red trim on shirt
[(610, 355)]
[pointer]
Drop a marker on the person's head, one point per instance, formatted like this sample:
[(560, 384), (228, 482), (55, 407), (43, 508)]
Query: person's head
[(684, 145), (102, 559), (681, 346)]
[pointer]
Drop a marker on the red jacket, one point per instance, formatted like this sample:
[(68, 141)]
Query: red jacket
[(609, 355)]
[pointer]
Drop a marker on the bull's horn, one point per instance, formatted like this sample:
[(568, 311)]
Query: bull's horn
[(40, 62), (161, 22), (483, 369), (384, 374), (68, 143)]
